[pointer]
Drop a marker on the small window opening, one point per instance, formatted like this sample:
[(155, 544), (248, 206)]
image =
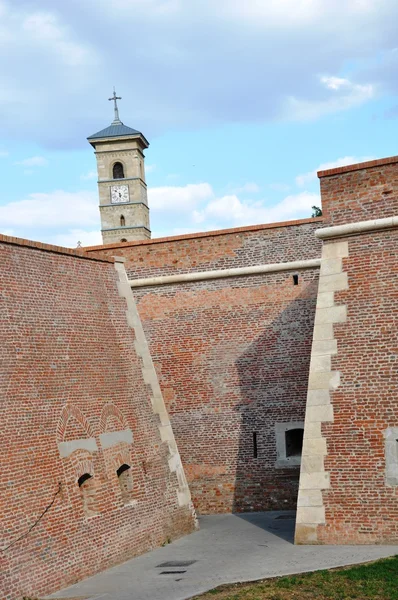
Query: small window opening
[(83, 478), (125, 482), (118, 171), (87, 487), (295, 279), (255, 452), (123, 240), (122, 221), (294, 442)]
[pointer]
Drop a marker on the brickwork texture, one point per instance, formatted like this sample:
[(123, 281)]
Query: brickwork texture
[(76, 419), (232, 356)]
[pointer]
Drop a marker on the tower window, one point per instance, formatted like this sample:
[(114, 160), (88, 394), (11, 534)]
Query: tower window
[(122, 221), (123, 240), (118, 171), (295, 279), (125, 482), (294, 442)]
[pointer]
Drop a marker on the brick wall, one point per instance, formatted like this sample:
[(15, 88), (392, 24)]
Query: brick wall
[(348, 482), (232, 355), (360, 192), (360, 507), (74, 405)]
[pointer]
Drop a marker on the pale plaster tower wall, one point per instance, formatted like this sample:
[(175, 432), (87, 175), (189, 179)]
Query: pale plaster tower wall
[(122, 189)]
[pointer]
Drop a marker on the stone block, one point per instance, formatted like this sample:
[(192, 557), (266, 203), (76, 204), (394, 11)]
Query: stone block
[(322, 413), (310, 498), (320, 363), (334, 250), (310, 514), (312, 464), (320, 347), (333, 283), (314, 447), (323, 332), (325, 300), (312, 430), (314, 481), (334, 314), (324, 381), (317, 398), (331, 266), (306, 534)]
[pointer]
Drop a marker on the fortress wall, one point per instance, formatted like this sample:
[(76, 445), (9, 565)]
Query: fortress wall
[(232, 356), (360, 192), (349, 473), (74, 404)]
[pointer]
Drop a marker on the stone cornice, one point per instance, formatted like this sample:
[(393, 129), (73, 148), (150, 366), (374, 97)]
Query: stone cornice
[(354, 228), (222, 273)]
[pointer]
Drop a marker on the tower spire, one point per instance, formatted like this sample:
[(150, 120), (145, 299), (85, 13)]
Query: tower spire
[(116, 120)]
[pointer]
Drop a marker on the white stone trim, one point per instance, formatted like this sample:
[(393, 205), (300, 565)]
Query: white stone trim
[(322, 379), (112, 438), (359, 227), (222, 273), (283, 461), (67, 448), (151, 379)]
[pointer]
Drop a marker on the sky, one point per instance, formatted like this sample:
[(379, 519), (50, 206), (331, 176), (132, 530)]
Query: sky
[(242, 103)]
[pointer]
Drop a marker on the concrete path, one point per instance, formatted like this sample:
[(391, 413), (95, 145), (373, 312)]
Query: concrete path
[(228, 548)]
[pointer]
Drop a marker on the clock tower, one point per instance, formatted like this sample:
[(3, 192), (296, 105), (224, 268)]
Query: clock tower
[(122, 189)]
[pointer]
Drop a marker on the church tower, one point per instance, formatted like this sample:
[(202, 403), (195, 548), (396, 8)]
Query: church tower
[(122, 189)]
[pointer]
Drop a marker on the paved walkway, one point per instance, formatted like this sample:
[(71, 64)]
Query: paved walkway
[(228, 548)]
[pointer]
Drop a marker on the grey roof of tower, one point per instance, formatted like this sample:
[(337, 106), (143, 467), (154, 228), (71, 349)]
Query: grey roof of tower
[(119, 130)]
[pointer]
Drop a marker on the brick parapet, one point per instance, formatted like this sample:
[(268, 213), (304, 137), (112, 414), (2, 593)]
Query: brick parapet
[(358, 166), (242, 249), (203, 234), (6, 239), (360, 192)]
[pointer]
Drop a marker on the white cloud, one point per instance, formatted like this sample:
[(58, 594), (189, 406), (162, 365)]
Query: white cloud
[(3, 153), (44, 30), (307, 178), (178, 198), (199, 84), (231, 211), (33, 161), (71, 238), (344, 95), (150, 168), (56, 209), (89, 175)]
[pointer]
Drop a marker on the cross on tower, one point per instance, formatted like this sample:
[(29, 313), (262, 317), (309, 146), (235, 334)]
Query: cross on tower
[(116, 120)]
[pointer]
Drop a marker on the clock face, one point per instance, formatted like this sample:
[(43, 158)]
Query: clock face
[(119, 194)]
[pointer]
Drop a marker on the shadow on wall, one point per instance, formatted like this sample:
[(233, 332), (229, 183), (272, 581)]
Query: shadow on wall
[(273, 374)]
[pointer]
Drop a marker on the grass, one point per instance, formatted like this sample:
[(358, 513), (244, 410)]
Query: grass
[(375, 581)]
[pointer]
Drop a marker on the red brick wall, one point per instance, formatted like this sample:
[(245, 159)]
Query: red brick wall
[(69, 371), (360, 507), (232, 356), (360, 192)]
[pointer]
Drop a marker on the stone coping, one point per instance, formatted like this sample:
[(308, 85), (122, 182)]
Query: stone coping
[(356, 228)]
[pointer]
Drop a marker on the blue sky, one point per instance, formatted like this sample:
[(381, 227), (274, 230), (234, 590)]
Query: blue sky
[(241, 101)]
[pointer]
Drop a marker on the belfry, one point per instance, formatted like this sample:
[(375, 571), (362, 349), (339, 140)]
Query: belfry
[(122, 189)]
